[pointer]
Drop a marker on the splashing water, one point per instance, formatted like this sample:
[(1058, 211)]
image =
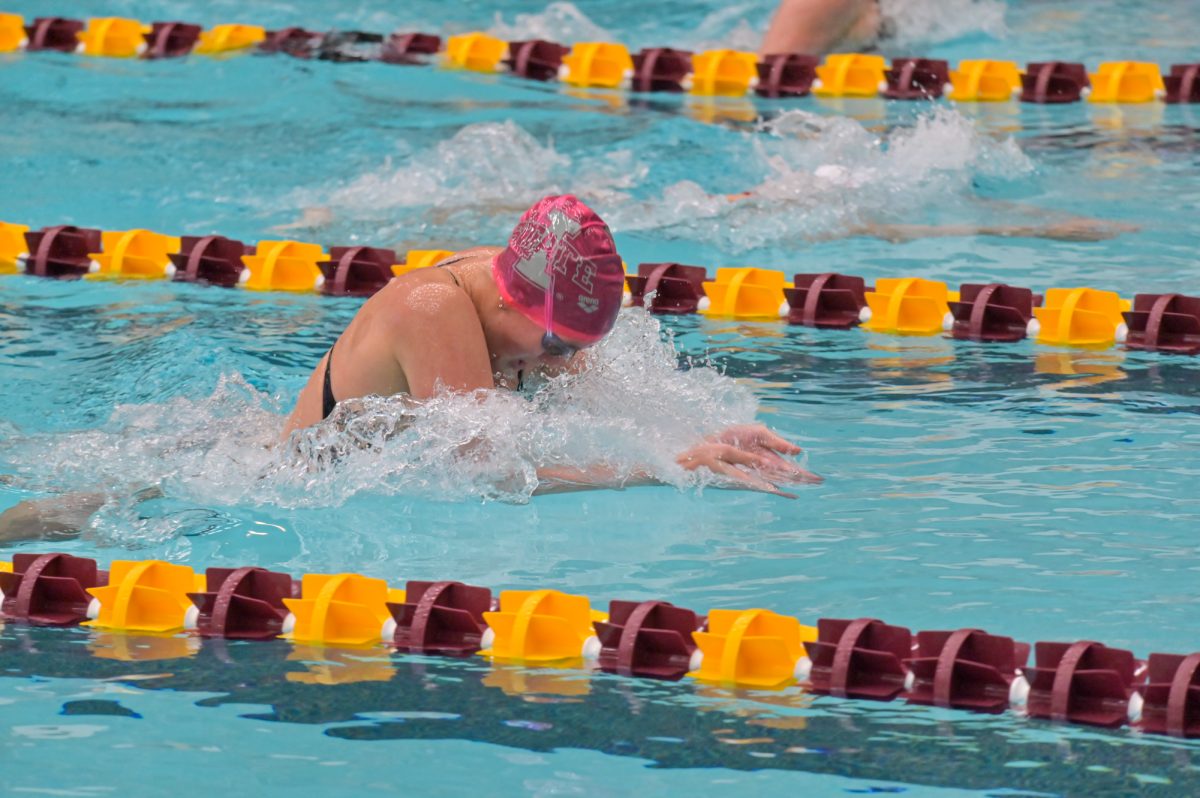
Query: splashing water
[(473, 166), (824, 176), (818, 176), (634, 408), (934, 21), (742, 25), (481, 178), (560, 22), (730, 27)]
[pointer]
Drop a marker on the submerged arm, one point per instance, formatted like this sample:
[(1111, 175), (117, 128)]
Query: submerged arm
[(54, 517)]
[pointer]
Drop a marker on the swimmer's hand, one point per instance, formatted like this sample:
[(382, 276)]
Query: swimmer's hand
[(771, 447), (751, 457)]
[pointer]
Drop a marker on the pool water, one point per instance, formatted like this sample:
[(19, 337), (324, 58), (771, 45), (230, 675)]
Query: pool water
[(1036, 492)]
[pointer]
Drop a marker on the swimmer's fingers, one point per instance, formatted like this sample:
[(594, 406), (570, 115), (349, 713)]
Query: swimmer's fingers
[(770, 463), (769, 439), (781, 469), (743, 468), (747, 479), (755, 436), (709, 455)]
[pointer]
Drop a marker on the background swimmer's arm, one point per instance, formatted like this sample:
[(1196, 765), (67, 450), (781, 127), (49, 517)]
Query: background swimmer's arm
[(1076, 228), (56, 517), (313, 219), (813, 27)]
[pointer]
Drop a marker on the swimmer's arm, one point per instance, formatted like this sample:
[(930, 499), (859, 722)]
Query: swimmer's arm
[(747, 457), (570, 479), (812, 27)]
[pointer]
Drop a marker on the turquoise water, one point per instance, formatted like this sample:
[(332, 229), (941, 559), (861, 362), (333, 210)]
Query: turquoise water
[(1036, 492)]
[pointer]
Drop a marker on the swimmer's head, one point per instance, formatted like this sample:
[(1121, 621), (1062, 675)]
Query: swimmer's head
[(562, 272)]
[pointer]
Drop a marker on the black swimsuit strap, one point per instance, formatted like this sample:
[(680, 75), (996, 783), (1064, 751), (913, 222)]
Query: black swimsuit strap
[(328, 401), (450, 261)]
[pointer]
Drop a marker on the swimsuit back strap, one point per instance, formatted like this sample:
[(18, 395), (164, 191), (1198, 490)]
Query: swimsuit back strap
[(328, 401)]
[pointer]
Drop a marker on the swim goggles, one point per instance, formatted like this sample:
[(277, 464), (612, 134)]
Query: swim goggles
[(552, 345)]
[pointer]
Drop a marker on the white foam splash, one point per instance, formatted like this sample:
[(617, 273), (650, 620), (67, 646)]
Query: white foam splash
[(737, 26), (474, 165), (934, 21), (634, 407), (826, 175), (481, 178), (942, 151), (559, 22)]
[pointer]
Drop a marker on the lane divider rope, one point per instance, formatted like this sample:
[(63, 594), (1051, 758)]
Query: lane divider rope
[(1078, 316), (610, 65), (1081, 682)]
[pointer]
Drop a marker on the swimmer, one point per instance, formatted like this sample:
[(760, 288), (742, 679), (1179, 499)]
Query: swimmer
[(484, 318), (481, 320), (817, 27)]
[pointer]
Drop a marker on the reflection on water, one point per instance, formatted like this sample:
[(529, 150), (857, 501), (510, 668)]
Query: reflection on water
[(675, 725)]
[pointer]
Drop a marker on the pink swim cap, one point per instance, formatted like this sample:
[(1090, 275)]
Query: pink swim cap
[(561, 269)]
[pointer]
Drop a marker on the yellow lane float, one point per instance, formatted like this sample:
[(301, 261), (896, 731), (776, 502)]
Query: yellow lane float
[(12, 246), (909, 306), (477, 52), (284, 266), (729, 73), (602, 65), (1127, 82), (341, 610), (114, 37), (1079, 317), (750, 648), (135, 253), (147, 596), (744, 293), (850, 75), (984, 80), (12, 33), (540, 626), (229, 38)]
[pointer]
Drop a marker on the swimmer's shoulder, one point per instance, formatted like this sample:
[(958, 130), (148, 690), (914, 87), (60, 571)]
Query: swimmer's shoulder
[(434, 274), (422, 296), (423, 302)]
